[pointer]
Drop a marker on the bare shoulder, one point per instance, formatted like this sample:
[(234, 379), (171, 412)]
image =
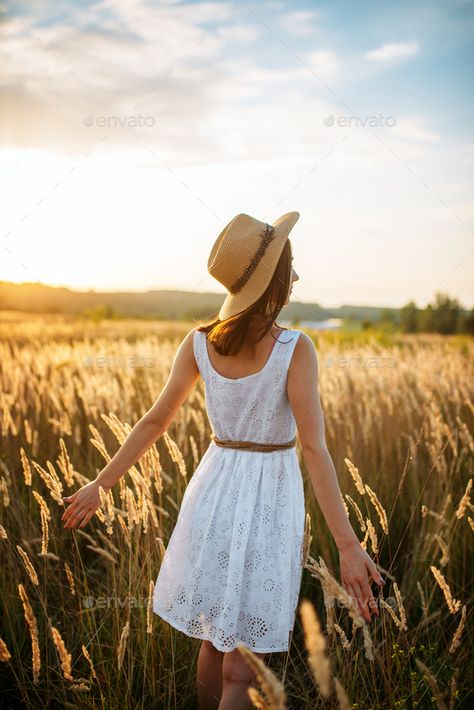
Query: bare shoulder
[(303, 368), (304, 353), (190, 334), (189, 337), (184, 356), (188, 341)]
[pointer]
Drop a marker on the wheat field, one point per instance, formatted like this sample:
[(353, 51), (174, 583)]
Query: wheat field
[(77, 629)]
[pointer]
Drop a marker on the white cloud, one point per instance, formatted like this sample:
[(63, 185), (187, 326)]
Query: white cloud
[(413, 128), (299, 22), (239, 33), (392, 50), (324, 63)]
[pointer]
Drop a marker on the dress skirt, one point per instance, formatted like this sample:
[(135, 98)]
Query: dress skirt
[(232, 569)]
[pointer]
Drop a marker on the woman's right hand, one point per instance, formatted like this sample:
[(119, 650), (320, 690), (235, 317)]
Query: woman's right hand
[(82, 505)]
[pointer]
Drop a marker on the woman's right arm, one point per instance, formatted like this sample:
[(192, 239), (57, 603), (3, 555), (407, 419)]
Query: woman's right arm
[(303, 395), (181, 381)]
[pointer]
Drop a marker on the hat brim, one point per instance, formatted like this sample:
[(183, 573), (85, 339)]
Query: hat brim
[(238, 302)]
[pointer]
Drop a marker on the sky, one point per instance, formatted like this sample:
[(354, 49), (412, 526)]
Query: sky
[(133, 131)]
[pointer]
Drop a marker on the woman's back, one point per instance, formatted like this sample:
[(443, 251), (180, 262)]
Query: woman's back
[(254, 407)]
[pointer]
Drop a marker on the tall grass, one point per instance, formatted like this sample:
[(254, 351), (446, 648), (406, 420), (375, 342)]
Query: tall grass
[(77, 629)]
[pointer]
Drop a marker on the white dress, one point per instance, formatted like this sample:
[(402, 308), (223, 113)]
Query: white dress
[(232, 568)]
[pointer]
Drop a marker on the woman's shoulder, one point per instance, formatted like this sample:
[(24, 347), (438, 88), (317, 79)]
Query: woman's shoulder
[(304, 350)]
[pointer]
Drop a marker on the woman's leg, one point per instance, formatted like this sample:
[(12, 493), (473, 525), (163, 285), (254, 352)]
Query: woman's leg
[(237, 676), (209, 676)]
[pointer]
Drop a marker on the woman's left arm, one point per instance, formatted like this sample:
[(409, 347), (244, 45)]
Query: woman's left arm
[(356, 566), (181, 381)]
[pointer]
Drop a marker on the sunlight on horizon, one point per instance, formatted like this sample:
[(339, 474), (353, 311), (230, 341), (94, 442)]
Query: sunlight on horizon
[(243, 126)]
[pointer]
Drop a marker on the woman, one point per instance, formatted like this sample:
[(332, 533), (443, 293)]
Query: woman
[(232, 569)]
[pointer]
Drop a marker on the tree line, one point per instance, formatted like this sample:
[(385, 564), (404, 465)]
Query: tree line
[(445, 315)]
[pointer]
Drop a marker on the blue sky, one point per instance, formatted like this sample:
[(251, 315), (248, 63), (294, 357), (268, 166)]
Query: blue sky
[(358, 115)]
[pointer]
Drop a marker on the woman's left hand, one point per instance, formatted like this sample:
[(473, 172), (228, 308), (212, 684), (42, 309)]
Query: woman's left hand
[(82, 505), (356, 568)]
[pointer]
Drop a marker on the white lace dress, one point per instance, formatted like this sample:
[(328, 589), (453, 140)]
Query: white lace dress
[(232, 568)]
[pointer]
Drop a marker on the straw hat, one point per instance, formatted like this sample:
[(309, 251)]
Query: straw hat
[(244, 258)]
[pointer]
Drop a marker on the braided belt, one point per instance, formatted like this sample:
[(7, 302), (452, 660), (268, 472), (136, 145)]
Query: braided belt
[(252, 445)]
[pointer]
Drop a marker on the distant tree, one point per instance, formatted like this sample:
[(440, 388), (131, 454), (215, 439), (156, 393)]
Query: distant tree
[(410, 318), (467, 323), (443, 316), (427, 319), (388, 315)]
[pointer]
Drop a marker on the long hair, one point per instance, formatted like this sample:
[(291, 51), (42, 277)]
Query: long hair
[(229, 335)]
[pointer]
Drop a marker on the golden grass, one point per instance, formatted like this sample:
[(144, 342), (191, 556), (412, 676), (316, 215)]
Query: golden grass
[(400, 434), (64, 656), (274, 696), (33, 627)]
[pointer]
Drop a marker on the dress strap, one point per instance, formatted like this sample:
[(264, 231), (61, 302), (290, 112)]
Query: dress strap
[(288, 346)]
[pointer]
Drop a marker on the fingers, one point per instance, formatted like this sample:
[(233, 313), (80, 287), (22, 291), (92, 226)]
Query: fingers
[(75, 517), (368, 601), (81, 506), (88, 515), (362, 595), (80, 518), (71, 503), (69, 511), (353, 595), (375, 574), (87, 518), (361, 600)]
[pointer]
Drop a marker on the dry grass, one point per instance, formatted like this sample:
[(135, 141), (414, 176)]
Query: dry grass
[(77, 626)]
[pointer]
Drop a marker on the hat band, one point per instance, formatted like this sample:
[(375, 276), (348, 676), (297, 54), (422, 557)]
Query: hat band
[(265, 240)]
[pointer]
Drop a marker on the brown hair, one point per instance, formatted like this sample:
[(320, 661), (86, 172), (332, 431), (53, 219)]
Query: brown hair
[(228, 335)]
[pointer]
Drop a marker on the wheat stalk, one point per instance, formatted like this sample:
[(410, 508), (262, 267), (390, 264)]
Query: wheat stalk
[(33, 627), (28, 565), (463, 503), (357, 478), (316, 646), (5, 654), (64, 656), (441, 705), (26, 466), (458, 633), (379, 508), (89, 660), (271, 686), (453, 604), (44, 532), (149, 608), (123, 644), (70, 579)]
